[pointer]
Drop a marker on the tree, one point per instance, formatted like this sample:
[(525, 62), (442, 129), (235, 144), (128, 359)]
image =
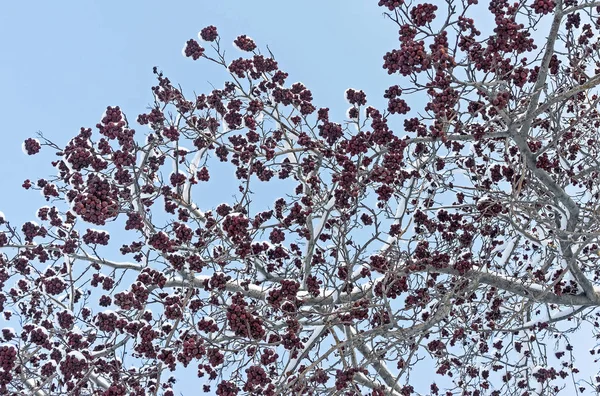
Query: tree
[(459, 236)]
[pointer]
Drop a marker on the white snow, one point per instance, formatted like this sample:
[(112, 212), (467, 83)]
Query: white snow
[(321, 224), (100, 381), (78, 355), (508, 250), (193, 168), (400, 210), (76, 329), (308, 344), (223, 124), (545, 317)]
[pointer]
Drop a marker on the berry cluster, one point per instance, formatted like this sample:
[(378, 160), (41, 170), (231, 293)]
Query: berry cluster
[(436, 346), (489, 208), (543, 6), (150, 276), (105, 301), (215, 357), (390, 4), (287, 291), (31, 146), (173, 312), (291, 341), (243, 323), (75, 340), (313, 285), (276, 236), (240, 67), (74, 365), (155, 117), (193, 348), (193, 49), (236, 227), (79, 158), (112, 126), (106, 321), (410, 58), (8, 357), (161, 241), (256, 377), (134, 221), (209, 33), (218, 281), (48, 369), (207, 325), (167, 357), (545, 374), (8, 334), (379, 263), (358, 98), (50, 191), (268, 357), (544, 162), (92, 237), (146, 336), (98, 203), (115, 390), (244, 43), (127, 301), (392, 286), (31, 230), (398, 106), (422, 14), (203, 174), (38, 336), (227, 388), (269, 65), (54, 285), (177, 179), (343, 378), (182, 232), (331, 132)]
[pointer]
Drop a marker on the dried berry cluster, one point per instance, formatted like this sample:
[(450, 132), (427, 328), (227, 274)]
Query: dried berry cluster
[(242, 322), (245, 43), (8, 358), (193, 49), (96, 237), (73, 366), (209, 33), (32, 146), (98, 202)]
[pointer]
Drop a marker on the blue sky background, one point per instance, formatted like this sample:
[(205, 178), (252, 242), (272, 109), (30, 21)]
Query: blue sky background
[(64, 62)]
